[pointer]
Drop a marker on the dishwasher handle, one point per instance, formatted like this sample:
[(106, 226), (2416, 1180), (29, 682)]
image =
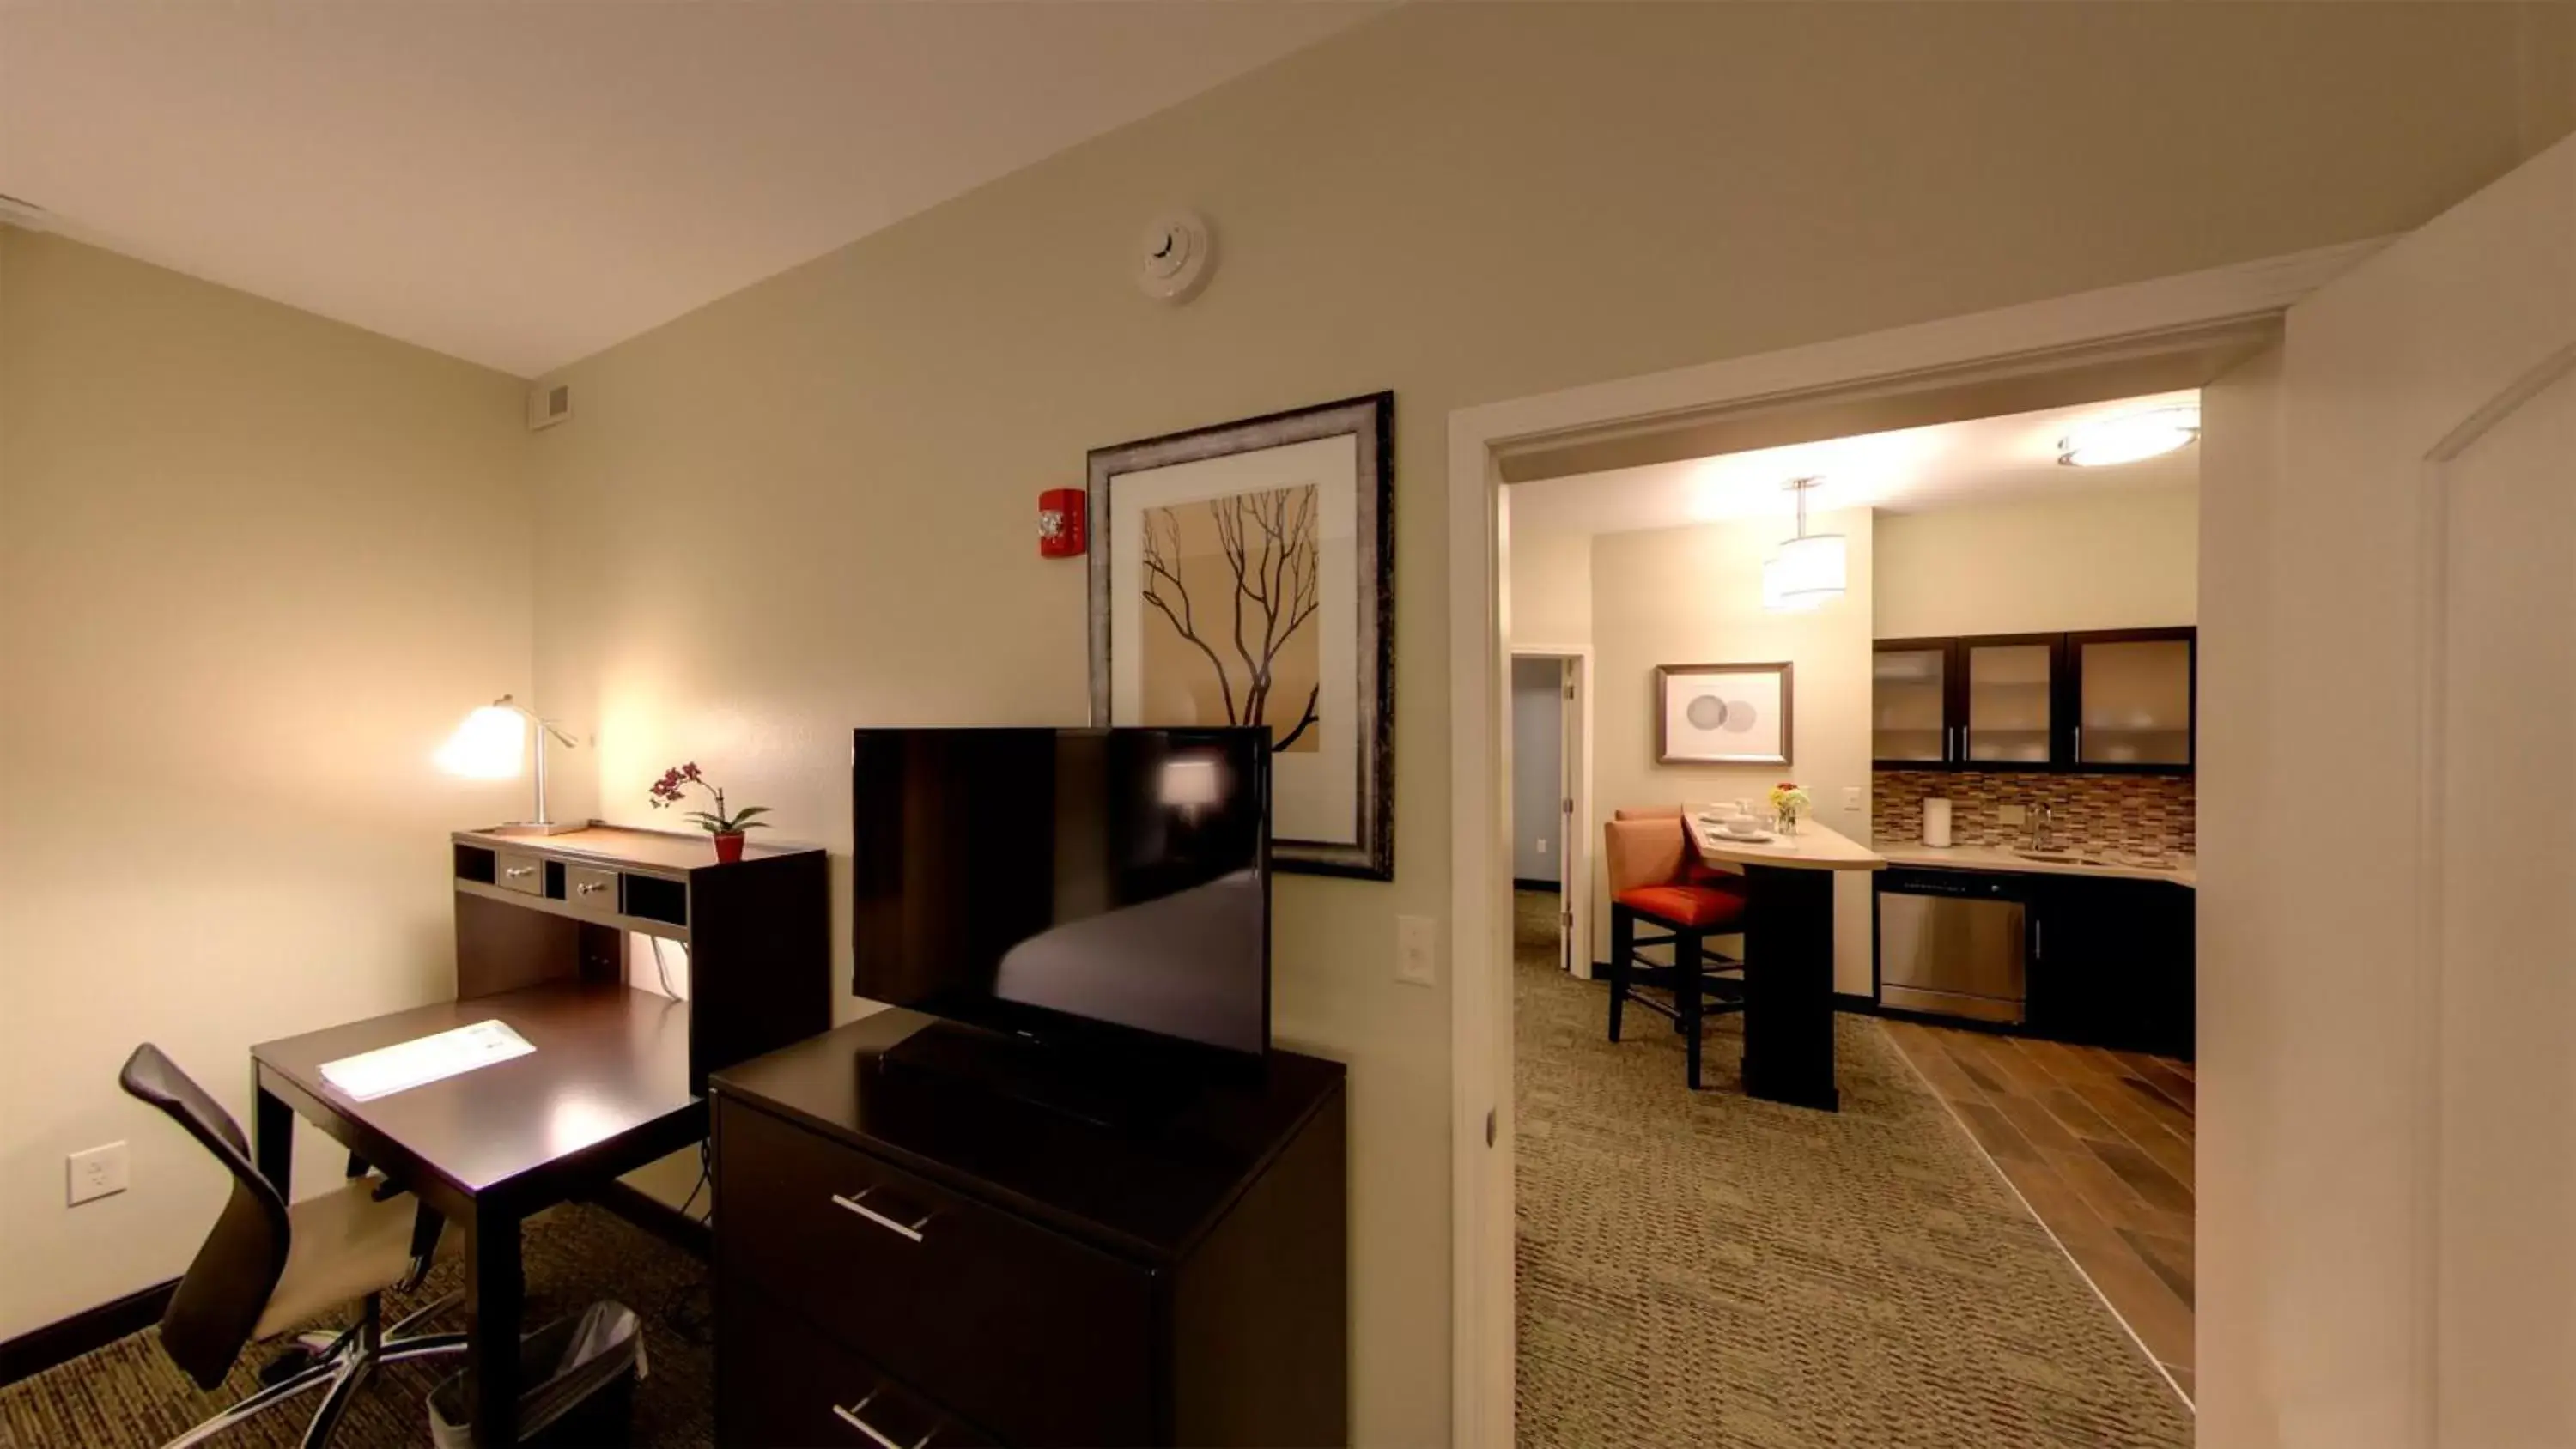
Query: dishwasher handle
[(1964, 885)]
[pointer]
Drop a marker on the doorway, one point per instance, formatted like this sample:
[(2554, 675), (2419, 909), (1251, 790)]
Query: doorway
[(1550, 801), (2176, 333)]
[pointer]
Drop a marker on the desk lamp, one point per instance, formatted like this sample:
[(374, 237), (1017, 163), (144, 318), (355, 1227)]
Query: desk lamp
[(488, 746)]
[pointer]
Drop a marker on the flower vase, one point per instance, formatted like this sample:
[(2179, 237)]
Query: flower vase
[(729, 847), (1789, 824)]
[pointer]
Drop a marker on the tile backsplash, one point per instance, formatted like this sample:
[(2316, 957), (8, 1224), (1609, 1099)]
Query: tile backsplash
[(2148, 813)]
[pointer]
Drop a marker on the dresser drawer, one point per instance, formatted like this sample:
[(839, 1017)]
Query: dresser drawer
[(782, 1381), (525, 874), (1039, 1337)]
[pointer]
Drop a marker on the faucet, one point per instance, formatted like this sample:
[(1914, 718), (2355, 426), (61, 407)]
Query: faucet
[(2042, 821)]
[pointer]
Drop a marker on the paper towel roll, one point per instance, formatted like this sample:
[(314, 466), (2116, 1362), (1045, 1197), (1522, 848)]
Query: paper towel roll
[(1936, 822)]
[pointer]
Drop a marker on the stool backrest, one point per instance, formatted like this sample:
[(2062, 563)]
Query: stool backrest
[(226, 1288), (1643, 852), (1648, 812)]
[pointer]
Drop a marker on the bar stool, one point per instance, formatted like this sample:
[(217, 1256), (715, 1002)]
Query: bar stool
[(1648, 864)]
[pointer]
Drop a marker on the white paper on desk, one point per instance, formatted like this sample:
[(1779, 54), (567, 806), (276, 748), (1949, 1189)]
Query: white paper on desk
[(422, 1060)]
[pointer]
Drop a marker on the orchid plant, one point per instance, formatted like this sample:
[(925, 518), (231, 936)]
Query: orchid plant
[(674, 786)]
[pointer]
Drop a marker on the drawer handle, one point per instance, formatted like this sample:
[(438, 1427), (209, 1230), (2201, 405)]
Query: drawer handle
[(516, 871), (850, 1416), (591, 887), (880, 1219)]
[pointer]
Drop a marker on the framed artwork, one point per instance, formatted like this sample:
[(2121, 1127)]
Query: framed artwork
[(1722, 714), (1245, 574)]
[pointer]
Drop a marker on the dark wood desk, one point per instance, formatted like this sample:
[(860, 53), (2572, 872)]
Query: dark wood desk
[(605, 1091)]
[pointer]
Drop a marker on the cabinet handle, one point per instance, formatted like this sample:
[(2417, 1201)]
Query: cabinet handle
[(516, 871), (2079, 744), (591, 887), (850, 1416), (2038, 939), (880, 1219)]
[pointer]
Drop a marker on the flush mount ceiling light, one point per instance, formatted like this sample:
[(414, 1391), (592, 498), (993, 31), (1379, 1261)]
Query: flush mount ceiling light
[(2130, 438), (1808, 569)]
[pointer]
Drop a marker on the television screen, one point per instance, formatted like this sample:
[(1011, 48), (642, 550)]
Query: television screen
[(1036, 880)]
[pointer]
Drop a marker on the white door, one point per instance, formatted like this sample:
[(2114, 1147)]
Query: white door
[(2388, 850), (1574, 918)]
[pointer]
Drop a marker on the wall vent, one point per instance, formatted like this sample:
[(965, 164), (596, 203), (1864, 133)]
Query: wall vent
[(548, 404)]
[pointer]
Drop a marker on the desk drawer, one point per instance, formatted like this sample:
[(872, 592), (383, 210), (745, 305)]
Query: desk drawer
[(525, 874), (1041, 1338), (780, 1380), (591, 889)]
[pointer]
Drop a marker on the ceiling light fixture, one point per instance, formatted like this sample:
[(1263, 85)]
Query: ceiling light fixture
[(1808, 569), (2130, 438)]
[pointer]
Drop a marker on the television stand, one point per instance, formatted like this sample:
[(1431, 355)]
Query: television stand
[(1076, 1080), (928, 1222)]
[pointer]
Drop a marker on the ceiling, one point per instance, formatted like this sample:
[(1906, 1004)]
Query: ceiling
[(1985, 460), (523, 184)]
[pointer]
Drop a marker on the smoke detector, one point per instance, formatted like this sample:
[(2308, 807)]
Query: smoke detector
[(1174, 256)]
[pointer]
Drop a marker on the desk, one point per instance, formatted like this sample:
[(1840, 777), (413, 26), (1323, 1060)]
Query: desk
[(1788, 954), (605, 1091)]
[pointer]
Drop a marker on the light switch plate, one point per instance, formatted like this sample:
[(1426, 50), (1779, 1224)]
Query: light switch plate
[(1542, 845), (1414, 939), (96, 1173), (1851, 797)]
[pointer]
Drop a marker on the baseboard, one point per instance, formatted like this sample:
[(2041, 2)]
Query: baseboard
[(686, 1233), (1856, 1003), (1549, 886), (39, 1349)]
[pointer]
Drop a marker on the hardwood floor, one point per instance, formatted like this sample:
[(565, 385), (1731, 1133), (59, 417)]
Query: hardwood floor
[(2099, 1144)]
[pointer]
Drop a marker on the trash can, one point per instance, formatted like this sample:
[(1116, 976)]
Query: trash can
[(577, 1383)]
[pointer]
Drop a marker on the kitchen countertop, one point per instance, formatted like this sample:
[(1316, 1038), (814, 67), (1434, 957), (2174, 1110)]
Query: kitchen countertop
[(1814, 847), (2184, 871)]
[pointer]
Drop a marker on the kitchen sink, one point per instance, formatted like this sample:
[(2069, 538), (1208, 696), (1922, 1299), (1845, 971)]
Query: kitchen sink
[(2052, 857)]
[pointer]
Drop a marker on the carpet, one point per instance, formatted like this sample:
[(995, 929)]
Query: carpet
[(1709, 1269), (129, 1394)]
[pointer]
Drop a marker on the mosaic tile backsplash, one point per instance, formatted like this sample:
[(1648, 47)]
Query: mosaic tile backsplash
[(2147, 813)]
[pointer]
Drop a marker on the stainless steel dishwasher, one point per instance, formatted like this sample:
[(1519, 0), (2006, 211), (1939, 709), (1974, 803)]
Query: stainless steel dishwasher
[(1955, 944)]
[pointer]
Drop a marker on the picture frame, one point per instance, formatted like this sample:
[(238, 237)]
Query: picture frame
[(1245, 574), (1724, 714)]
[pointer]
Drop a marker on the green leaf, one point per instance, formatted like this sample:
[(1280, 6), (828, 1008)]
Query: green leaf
[(748, 811), (754, 825)]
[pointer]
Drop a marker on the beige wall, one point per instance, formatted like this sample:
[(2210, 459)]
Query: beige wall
[(1694, 596), (2112, 559), (808, 506), (1551, 589), (254, 566)]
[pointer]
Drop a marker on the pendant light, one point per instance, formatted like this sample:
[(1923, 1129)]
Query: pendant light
[(1808, 569)]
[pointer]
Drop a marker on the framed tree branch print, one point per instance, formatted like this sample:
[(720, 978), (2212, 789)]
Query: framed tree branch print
[(1245, 575)]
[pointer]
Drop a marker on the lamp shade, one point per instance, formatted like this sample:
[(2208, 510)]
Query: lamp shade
[(489, 745), (1805, 572)]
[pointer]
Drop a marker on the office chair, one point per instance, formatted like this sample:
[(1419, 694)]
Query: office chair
[(268, 1266)]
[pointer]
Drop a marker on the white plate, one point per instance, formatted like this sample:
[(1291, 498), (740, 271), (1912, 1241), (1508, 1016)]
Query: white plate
[(1719, 834)]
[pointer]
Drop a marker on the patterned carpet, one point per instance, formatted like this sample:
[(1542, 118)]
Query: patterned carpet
[(129, 1394), (1714, 1270)]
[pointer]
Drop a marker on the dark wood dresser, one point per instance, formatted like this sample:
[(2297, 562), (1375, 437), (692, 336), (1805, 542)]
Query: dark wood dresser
[(914, 1249)]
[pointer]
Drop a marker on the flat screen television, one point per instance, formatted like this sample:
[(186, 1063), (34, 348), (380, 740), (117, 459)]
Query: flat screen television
[(1067, 884)]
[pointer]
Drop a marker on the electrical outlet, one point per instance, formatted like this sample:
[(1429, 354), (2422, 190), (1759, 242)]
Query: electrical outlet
[(96, 1173), (2008, 815), (1542, 845), (1413, 951), (1851, 797)]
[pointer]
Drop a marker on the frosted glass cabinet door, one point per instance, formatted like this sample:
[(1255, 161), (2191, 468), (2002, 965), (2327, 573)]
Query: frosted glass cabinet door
[(2012, 717), (1910, 721), (2134, 701)]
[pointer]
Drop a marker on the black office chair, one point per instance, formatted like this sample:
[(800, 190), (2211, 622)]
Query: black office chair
[(267, 1267)]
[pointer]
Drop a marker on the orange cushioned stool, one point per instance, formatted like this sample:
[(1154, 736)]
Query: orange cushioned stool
[(1649, 859)]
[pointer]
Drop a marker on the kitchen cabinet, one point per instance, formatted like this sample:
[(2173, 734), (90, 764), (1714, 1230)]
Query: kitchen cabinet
[(2117, 701), (2111, 963)]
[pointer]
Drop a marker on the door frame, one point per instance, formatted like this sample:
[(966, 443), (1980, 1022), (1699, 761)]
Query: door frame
[(1574, 749), (2142, 320)]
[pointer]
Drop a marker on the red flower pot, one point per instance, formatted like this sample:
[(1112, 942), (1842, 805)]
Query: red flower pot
[(729, 847)]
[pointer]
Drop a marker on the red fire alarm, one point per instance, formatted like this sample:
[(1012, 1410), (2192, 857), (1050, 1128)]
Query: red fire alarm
[(1060, 532)]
